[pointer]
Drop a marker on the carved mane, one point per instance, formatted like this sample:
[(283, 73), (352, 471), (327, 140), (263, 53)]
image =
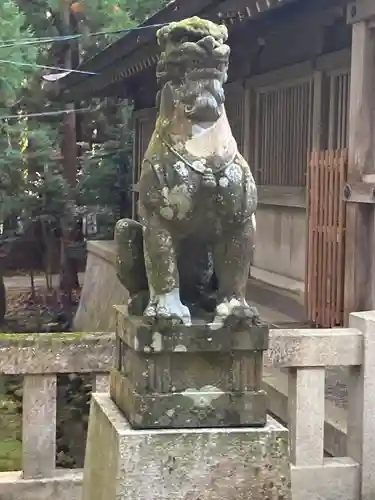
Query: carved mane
[(193, 48)]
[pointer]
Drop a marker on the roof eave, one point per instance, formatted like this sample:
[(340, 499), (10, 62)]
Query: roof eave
[(124, 59)]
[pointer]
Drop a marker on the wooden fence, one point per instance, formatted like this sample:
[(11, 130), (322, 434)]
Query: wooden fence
[(325, 255)]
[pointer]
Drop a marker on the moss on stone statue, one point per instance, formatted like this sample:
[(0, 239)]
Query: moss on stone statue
[(194, 26), (156, 148), (27, 338), (39, 336)]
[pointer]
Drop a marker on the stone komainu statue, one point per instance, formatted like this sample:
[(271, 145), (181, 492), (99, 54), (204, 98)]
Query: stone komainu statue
[(197, 196)]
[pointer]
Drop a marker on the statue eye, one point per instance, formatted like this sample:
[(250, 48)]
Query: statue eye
[(194, 37)]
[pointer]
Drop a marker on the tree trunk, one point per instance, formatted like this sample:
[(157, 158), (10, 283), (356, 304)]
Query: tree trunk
[(68, 273)]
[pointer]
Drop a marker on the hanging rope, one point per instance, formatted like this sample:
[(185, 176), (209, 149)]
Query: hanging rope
[(49, 113), (64, 38), (42, 66), (36, 41)]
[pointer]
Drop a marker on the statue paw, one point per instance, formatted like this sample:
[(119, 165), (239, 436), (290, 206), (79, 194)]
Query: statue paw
[(234, 311), (150, 310), (168, 306), (138, 303)]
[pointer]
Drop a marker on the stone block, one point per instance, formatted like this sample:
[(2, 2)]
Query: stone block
[(206, 407), (202, 336), (335, 479), (101, 289), (178, 376), (185, 464), (64, 485)]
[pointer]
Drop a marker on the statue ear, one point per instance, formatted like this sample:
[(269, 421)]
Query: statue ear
[(168, 98), (158, 100)]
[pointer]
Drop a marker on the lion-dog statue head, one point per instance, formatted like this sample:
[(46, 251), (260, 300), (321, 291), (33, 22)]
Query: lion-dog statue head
[(192, 70)]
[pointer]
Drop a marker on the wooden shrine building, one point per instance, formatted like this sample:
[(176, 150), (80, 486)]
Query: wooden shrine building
[(300, 99)]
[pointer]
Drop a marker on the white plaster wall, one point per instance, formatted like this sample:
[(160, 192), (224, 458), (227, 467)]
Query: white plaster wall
[(281, 240)]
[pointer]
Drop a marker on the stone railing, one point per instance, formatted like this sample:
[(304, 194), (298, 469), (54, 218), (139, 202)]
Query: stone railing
[(303, 354), (40, 358), (303, 357)]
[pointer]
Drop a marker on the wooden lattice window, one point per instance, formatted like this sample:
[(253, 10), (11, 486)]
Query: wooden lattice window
[(283, 133), (339, 90)]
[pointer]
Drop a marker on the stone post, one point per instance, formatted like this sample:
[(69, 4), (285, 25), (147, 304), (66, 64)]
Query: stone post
[(361, 405), (360, 213), (39, 426), (186, 419)]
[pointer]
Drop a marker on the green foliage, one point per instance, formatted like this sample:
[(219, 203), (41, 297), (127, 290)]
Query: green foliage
[(12, 27), (39, 18), (30, 169), (104, 177), (10, 433), (12, 169), (108, 15), (30, 182), (48, 197), (26, 149), (101, 178), (146, 8)]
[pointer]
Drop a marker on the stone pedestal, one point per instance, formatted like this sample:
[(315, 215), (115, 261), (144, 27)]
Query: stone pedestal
[(188, 377), (185, 464)]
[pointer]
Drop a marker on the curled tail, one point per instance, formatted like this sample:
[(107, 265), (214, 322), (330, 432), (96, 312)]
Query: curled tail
[(130, 263)]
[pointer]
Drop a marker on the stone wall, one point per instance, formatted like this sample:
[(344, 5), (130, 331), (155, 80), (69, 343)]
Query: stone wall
[(101, 290), (281, 241)]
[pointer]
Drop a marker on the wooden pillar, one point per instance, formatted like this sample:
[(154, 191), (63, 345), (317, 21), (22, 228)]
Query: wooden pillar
[(68, 266), (360, 191)]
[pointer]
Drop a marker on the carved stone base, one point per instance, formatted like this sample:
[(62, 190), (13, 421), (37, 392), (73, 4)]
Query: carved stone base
[(188, 409), (188, 377), (185, 464)]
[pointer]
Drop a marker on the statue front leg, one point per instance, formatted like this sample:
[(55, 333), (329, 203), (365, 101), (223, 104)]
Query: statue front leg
[(162, 273), (233, 255)]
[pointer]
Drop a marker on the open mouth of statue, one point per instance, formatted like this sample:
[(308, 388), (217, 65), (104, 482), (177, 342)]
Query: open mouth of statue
[(203, 114), (204, 111)]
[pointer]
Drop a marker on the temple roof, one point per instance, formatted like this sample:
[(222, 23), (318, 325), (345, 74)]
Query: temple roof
[(136, 52)]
